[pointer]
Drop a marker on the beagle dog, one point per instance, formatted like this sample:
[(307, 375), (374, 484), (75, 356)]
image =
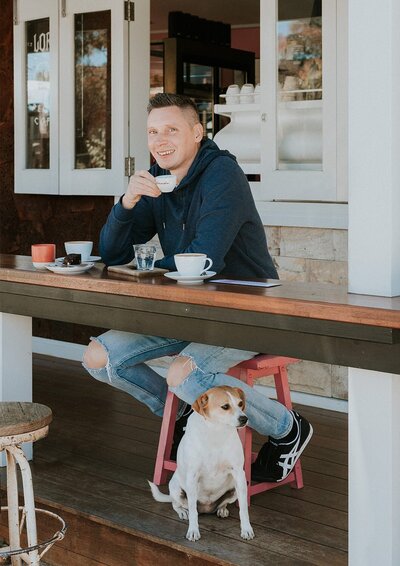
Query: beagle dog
[(209, 473)]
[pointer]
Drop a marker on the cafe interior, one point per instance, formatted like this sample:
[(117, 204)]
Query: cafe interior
[(282, 85)]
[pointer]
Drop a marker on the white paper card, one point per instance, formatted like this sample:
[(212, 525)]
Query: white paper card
[(247, 283)]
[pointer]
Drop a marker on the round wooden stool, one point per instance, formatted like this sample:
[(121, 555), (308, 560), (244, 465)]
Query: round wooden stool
[(23, 422)]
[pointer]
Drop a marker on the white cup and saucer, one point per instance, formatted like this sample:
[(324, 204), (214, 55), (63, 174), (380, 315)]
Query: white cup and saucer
[(192, 269), (82, 247)]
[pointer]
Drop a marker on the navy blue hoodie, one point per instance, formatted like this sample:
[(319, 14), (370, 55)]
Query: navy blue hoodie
[(211, 211)]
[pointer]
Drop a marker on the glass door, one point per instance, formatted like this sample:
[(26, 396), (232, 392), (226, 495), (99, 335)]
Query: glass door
[(36, 100), (92, 101), (81, 78)]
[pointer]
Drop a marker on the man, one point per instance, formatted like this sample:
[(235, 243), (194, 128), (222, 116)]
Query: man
[(210, 211)]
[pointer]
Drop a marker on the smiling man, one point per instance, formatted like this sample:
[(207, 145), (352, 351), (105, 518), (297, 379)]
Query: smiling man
[(210, 211)]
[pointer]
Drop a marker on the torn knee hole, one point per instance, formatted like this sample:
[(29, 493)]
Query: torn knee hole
[(95, 356), (178, 371)]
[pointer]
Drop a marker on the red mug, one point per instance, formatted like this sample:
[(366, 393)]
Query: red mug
[(43, 253)]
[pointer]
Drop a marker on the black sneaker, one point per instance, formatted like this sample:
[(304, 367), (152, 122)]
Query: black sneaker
[(277, 457), (179, 431)]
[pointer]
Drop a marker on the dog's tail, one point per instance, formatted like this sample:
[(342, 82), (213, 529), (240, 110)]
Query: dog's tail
[(158, 495)]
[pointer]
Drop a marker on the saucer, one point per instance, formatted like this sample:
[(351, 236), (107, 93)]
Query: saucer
[(69, 269), (189, 279), (40, 264), (91, 258)]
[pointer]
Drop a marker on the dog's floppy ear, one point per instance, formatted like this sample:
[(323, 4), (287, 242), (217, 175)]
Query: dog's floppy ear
[(200, 404), (242, 396)]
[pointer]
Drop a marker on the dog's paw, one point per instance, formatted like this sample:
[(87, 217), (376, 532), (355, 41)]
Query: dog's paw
[(183, 513), (247, 533), (193, 534), (223, 512)]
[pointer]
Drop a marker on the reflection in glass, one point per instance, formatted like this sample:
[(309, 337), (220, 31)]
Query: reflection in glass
[(156, 68), (198, 82), (299, 105), (38, 93), (93, 90)]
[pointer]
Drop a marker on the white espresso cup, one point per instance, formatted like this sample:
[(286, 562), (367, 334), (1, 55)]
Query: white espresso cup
[(192, 265), (247, 94), (79, 247), (232, 94), (166, 183)]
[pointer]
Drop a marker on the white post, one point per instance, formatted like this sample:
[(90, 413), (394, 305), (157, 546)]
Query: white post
[(374, 449), (374, 268), (16, 361)]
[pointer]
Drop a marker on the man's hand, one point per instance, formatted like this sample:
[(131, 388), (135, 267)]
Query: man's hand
[(141, 183)]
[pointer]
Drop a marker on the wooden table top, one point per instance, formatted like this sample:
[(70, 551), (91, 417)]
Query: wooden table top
[(310, 300)]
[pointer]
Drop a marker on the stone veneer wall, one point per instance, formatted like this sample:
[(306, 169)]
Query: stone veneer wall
[(315, 255)]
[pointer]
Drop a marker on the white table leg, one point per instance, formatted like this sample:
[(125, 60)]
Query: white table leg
[(16, 361), (374, 468)]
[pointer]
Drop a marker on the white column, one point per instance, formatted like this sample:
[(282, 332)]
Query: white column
[(374, 473), (374, 268), (16, 360), (374, 147)]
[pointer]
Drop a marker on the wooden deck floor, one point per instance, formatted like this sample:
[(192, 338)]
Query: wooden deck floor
[(93, 467)]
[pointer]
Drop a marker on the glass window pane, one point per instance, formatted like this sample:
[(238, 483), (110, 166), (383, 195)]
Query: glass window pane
[(156, 68), (198, 82), (93, 90), (299, 88), (38, 93)]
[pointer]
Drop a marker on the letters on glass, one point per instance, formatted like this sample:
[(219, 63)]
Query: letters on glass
[(38, 93)]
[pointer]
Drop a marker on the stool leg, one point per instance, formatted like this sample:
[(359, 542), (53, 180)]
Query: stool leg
[(282, 387), (13, 510), (283, 395), (298, 474), (166, 436), (29, 503)]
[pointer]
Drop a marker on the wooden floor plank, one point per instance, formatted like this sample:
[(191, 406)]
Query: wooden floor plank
[(101, 449)]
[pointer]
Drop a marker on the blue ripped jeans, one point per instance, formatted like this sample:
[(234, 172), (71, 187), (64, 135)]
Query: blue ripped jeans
[(126, 369)]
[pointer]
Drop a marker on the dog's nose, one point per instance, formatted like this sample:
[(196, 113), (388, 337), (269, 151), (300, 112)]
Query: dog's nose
[(243, 420)]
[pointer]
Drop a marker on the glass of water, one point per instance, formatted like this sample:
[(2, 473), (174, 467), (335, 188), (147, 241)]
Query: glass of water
[(145, 256)]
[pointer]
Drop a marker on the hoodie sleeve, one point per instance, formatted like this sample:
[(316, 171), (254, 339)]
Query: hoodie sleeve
[(124, 228), (226, 197)]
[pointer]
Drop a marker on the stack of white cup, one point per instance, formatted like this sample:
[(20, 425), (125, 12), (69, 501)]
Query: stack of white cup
[(245, 95)]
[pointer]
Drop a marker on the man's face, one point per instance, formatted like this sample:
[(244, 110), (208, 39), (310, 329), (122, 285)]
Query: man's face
[(173, 138)]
